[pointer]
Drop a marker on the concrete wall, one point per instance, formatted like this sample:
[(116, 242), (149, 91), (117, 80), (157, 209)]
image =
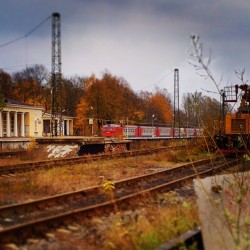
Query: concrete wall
[(35, 123), (14, 145)]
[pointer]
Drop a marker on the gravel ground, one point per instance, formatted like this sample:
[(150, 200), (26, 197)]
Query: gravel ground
[(90, 234), (87, 234)]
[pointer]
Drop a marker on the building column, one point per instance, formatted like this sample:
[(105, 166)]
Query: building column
[(67, 127), (1, 124), (63, 129), (15, 124), (22, 125), (8, 124)]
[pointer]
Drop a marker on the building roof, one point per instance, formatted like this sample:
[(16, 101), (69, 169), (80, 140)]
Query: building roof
[(14, 103), (48, 116)]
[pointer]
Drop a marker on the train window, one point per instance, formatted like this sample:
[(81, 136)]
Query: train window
[(238, 125)]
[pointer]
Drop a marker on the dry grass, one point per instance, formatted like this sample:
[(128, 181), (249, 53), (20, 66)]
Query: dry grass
[(45, 183), (150, 227), (146, 228)]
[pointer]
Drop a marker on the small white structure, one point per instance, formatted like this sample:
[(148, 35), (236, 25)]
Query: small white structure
[(63, 124)]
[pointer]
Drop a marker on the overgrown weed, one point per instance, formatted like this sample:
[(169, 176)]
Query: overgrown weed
[(64, 179), (151, 227)]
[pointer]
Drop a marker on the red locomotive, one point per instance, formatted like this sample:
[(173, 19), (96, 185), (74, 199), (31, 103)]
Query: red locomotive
[(112, 130)]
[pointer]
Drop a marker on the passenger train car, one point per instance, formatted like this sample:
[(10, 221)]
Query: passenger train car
[(137, 132)]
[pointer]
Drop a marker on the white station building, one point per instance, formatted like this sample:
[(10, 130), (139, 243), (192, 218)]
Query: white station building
[(25, 120)]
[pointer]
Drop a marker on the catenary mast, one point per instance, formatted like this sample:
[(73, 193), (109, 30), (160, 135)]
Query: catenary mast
[(176, 122), (56, 110)]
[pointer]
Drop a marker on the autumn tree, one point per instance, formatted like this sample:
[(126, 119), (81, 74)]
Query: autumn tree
[(33, 85), (2, 99), (111, 98), (145, 97), (81, 122), (161, 106), (28, 85), (91, 105), (72, 89), (196, 106), (157, 106), (131, 104), (5, 84), (189, 114)]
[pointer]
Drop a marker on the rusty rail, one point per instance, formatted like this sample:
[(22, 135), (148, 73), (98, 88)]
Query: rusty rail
[(46, 164), (43, 214)]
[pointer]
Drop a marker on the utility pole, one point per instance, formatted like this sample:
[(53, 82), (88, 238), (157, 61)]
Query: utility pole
[(176, 102), (56, 109)]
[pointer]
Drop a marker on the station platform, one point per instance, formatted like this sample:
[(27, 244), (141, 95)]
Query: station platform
[(14, 143), (71, 139), (86, 144)]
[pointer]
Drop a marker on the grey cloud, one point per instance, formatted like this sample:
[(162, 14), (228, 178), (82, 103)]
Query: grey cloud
[(139, 40)]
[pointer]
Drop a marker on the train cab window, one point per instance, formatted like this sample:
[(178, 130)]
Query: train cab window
[(238, 125)]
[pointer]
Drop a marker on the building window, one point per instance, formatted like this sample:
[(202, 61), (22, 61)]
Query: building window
[(4, 124), (35, 126), (26, 128), (11, 123), (46, 126)]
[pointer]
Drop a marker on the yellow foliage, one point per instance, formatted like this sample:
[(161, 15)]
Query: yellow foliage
[(81, 113), (108, 186), (160, 103)]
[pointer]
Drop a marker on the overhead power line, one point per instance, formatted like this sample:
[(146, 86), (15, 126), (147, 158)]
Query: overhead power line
[(170, 72), (27, 34), (165, 76)]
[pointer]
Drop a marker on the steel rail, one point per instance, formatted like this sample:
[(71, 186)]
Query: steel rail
[(46, 164), (22, 229), (27, 206)]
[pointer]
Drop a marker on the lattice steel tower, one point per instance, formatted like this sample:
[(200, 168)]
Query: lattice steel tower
[(176, 122), (56, 110)]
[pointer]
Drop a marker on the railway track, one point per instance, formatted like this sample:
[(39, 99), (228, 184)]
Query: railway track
[(18, 222), (9, 170)]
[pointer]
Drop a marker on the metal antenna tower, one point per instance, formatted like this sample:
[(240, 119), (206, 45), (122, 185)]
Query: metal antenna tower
[(56, 112), (176, 122)]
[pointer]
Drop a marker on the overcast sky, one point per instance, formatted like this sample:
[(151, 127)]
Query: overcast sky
[(142, 41)]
